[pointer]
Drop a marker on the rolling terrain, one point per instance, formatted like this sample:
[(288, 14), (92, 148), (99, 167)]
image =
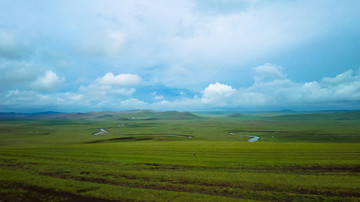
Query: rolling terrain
[(180, 156)]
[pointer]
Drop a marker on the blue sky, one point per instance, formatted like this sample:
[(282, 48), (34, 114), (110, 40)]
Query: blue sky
[(79, 56)]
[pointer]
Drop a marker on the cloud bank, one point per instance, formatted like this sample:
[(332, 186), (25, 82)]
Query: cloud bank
[(216, 54), (271, 90)]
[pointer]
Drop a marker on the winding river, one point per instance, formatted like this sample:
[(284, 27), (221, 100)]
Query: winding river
[(252, 139)]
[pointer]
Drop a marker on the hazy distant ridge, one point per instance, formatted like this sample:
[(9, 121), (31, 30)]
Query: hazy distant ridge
[(122, 115)]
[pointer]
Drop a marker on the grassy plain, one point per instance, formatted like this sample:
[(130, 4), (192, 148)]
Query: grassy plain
[(148, 156)]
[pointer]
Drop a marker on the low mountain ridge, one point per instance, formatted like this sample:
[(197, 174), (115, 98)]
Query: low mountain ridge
[(351, 115), (122, 115)]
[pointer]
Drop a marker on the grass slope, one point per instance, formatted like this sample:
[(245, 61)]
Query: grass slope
[(153, 159)]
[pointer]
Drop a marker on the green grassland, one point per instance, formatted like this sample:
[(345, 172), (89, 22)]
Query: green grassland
[(174, 156)]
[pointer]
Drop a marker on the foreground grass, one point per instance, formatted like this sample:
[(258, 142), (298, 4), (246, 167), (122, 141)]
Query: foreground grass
[(153, 170), (142, 161)]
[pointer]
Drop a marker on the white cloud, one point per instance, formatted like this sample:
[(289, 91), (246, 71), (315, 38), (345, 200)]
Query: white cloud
[(74, 96), (273, 90), (120, 79), (109, 44), (192, 45), (11, 47), (96, 91), (111, 85), (116, 41), (132, 103), (345, 77), (67, 102), (163, 104), (23, 98), (181, 104), (276, 93), (119, 104), (218, 89), (12, 93), (177, 70), (247, 33), (159, 97), (218, 94), (195, 37), (29, 99), (221, 95), (268, 72), (125, 92), (47, 82), (18, 74)]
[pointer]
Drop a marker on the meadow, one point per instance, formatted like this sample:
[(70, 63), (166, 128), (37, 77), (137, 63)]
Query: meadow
[(173, 156)]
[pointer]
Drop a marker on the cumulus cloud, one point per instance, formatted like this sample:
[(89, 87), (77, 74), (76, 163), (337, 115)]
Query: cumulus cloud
[(119, 104), (159, 97), (346, 77), (120, 79), (132, 103), (194, 46), (218, 93), (109, 92), (273, 90), (102, 91), (111, 85), (18, 74), (30, 100), (125, 92), (47, 82), (221, 95), (268, 72), (25, 75), (186, 104)]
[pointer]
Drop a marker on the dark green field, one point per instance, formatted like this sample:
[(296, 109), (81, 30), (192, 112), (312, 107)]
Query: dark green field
[(172, 156)]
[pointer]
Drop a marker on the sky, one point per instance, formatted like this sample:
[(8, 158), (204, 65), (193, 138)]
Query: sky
[(189, 55)]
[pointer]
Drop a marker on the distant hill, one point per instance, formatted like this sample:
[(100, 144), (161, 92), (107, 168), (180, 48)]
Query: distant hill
[(105, 115), (174, 115), (154, 115), (351, 115), (235, 115), (47, 112), (136, 115), (38, 115)]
